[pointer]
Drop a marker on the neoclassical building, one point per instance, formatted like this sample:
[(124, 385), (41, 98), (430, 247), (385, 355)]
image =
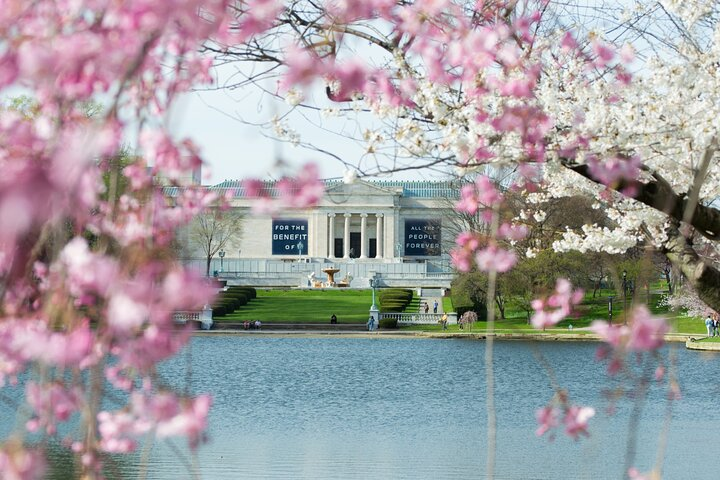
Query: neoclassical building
[(387, 228)]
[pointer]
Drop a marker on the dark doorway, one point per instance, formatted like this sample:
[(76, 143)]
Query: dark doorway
[(339, 248), (372, 249), (355, 244)]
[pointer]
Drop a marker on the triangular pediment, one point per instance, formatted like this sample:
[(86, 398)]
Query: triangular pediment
[(361, 187)]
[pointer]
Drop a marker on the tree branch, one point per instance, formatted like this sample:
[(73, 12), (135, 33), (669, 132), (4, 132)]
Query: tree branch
[(659, 195)]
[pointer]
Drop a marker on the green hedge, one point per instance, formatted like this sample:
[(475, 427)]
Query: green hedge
[(249, 292), (388, 323), (395, 299)]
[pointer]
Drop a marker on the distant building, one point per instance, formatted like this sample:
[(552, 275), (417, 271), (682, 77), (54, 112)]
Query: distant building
[(390, 228)]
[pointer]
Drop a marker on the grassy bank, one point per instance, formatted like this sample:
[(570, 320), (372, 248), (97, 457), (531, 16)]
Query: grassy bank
[(352, 306), (305, 306)]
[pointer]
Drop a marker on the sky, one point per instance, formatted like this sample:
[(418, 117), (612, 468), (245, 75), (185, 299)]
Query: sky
[(217, 121)]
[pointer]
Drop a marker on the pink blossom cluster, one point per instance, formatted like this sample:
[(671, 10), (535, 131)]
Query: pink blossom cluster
[(645, 333), (51, 403), (24, 341), (471, 252), (19, 463), (612, 171), (301, 191), (478, 196), (85, 272), (551, 310), (575, 419), (163, 413)]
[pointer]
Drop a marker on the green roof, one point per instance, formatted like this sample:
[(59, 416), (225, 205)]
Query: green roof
[(412, 188)]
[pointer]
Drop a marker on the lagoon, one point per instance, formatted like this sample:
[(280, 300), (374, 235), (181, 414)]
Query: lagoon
[(357, 408)]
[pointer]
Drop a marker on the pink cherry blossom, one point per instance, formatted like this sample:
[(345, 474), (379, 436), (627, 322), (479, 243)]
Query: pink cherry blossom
[(603, 53), (51, 404), (646, 332), (576, 420), (550, 311), (548, 418), (494, 258), (615, 169), (568, 42), (20, 463), (613, 335), (512, 232)]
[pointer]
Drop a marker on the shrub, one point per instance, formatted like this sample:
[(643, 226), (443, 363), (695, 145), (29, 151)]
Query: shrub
[(218, 311), (393, 306), (249, 292), (388, 323)]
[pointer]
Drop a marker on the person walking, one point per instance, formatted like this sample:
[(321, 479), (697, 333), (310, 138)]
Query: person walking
[(435, 305), (709, 325), (444, 321), (716, 325)]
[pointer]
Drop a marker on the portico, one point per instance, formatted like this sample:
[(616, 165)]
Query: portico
[(357, 238)]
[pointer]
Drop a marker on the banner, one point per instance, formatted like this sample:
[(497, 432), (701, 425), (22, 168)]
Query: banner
[(289, 237), (422, 238)]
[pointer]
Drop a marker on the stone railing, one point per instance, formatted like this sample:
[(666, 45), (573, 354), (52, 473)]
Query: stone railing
[(204, 317), (420, 318)]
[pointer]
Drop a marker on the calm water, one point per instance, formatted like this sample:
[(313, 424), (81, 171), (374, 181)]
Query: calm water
[(340, 408)]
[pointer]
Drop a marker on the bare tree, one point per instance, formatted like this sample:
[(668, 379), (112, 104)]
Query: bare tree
[(213, 230)]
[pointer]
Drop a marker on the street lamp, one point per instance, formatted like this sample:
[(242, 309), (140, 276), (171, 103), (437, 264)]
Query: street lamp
[(624, 286), (610, 299), (373, 284), (221, 254)]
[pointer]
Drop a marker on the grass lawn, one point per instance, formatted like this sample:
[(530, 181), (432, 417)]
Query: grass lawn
[(305, 306), (352, 306)]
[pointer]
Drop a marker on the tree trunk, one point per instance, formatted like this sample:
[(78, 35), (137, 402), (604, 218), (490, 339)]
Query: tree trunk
[(701, 276), (500, 302), (207, 266)]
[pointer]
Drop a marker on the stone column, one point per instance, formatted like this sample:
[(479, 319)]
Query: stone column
[(363, 235), (346, 236), (331, 235), (379, 235)]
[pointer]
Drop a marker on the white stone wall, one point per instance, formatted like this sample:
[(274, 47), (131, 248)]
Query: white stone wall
[(256, 238)]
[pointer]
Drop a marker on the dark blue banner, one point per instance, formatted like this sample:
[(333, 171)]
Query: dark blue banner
[(422, 238), (289, 237)]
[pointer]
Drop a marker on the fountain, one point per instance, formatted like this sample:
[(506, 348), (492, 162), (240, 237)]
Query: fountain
[(331, 271)]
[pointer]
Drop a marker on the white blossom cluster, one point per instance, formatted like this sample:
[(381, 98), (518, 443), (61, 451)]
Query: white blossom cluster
[(689, 11)]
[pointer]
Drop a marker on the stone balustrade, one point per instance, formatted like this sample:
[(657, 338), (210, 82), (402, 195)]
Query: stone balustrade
[(419, 318), (204, 317)]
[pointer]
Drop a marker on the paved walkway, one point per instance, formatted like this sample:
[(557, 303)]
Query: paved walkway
[(539, 336)]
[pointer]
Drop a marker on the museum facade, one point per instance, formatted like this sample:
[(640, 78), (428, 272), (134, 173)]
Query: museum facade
[(392, 228)]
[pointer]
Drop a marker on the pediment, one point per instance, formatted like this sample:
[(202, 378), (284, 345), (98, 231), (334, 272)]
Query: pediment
[(361, 187)]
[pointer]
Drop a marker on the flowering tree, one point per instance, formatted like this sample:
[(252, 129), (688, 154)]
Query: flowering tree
[(447, 82), (462, 84)]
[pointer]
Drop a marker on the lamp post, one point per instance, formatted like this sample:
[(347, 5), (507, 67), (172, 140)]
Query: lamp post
[(624, 287), (373, 284), (374, 313), (221, 254), (610, 299)]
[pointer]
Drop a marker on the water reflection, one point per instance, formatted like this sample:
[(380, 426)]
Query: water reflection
[(415, 408)]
